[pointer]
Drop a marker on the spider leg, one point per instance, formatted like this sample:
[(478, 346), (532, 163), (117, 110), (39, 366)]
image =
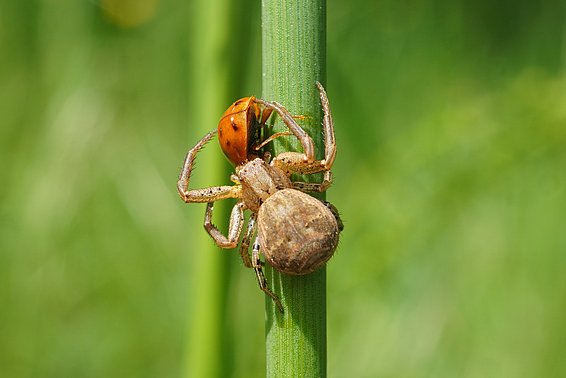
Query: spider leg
[(288, 119), (328, 125), (334, 212), (234, 229), (293, 162), (245, 244), (256, 264), (211, 194), (314, 186), (296, 162), (266, 113), (271, 138)]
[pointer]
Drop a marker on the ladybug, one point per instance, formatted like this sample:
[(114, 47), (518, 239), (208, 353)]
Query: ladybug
[(240, 127)]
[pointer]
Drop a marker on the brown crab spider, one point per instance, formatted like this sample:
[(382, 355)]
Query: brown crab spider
[(309, 228)]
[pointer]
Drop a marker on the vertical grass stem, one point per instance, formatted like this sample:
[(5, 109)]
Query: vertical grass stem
[(294, 58)]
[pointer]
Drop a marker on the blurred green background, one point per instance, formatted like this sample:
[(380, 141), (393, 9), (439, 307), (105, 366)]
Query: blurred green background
[(450, 176)]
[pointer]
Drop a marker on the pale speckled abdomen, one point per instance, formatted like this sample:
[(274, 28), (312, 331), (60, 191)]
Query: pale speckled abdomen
[(298, 233)]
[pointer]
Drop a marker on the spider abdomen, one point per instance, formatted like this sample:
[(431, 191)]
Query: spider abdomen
[(298, 233)]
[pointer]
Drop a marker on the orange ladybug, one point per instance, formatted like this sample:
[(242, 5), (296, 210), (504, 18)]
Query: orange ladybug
[(239, 129)]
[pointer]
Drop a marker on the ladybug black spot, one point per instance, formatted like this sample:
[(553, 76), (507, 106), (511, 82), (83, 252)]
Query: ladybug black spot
[(234, 126)]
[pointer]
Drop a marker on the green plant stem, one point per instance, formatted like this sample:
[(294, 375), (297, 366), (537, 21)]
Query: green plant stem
[(294, 58)]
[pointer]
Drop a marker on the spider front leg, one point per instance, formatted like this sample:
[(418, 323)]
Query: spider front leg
[(256, 263), (288, 119), (234, 229), (295, 162), (257, 146), (328, 125), (211, 194)]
